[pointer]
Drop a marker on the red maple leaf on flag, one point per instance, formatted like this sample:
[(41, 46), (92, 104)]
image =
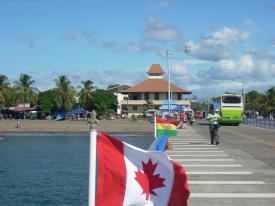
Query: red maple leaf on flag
[(147, 180)]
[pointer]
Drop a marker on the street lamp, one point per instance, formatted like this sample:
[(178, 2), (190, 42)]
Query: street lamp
[(169, 86), (243, 90), (186, 50)]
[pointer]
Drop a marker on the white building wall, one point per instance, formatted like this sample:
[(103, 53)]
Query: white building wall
[(120, 98)]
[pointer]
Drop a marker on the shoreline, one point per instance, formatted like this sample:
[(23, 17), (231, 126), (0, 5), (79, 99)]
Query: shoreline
[(51, 127)]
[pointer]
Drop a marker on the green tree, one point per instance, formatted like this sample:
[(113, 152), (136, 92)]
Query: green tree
[(255, 102), (4, 87), (11, 97), (270, 99), (148, 105), (86, 94), (197, 106), (26, 92), (64, 94), (104, 101), (46, 102)]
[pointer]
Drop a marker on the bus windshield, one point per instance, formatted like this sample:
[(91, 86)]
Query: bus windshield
[(231, 99)]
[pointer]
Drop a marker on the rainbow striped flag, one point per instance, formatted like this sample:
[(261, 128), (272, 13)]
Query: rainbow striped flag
[(165, 127)]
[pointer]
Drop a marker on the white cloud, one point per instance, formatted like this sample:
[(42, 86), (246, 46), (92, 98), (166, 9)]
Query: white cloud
[(159, 31), (100, 78), (132, 47), (137, 48), (261, 53), (245, 68), (194, 62), (109, 45), (217, 45), (249, 22), (70, 36), (158, 4), (179, 69), (89, 36), (30, 42)]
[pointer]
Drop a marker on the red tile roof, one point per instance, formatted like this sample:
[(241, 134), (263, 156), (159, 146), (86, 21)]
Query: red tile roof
[(155, 69), (155, 85)]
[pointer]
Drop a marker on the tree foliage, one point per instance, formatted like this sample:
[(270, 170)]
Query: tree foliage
[(4, 86), (104, 101), (64, 94), (197, 106), (86, 94), (26, 92), (46, 102), (148, 105)]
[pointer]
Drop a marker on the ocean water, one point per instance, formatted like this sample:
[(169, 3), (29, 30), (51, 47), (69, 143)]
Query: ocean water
[(38, 170)]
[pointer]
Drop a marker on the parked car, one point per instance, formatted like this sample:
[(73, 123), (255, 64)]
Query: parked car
[(198, 114)]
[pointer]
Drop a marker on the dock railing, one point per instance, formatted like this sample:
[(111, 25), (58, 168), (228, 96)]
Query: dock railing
[(259, 122)]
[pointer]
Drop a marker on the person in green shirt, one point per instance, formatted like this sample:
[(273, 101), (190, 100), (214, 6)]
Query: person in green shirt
[(214, 126)]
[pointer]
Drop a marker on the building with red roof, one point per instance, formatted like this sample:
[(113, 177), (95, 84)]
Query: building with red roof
[(154, 89)]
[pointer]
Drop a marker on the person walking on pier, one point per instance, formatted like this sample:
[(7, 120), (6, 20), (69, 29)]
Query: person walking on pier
[(214, 126)]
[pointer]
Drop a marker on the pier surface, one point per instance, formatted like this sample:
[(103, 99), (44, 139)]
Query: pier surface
[(239, 171)]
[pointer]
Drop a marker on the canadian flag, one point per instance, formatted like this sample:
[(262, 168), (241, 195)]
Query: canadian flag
[(128, 175)]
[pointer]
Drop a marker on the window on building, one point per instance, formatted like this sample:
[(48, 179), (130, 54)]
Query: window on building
[(156, 96), (135, 108), (124, 107), (146, 96), (179, 96), (157, 107), (136, 96)]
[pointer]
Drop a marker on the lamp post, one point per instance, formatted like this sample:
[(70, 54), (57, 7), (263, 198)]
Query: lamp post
[(243, 91), (243, 97), (169, 86), (186, 50)]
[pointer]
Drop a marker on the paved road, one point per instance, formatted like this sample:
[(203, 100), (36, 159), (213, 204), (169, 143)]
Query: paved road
[(258, 142), (231, 173)]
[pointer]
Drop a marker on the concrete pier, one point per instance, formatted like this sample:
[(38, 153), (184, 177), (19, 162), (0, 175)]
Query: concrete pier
[(224, 174)]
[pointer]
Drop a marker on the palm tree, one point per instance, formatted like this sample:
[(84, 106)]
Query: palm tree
[(4, 86), (26, 92), (64, 94), (86, 94)]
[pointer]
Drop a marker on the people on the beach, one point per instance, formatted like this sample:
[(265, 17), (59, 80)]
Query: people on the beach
[(17, 124), (1, 138)]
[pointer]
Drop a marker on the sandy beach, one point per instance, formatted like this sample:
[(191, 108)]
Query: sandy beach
[(76, 126)]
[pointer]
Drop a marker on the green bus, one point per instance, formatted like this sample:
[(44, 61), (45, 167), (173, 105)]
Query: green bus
[(231, 108)]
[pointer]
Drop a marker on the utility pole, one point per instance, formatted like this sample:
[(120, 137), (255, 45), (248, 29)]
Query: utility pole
[(208, 104), (243, 97), (169, 86), (243, 92)]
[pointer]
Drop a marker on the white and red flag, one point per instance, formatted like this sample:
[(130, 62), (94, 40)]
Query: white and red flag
[(128, 175)]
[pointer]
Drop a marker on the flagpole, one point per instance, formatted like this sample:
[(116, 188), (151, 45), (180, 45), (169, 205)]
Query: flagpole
[(92, 166), (155, 127)]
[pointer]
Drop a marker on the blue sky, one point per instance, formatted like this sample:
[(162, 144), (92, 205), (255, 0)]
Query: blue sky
[(116, 41)]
